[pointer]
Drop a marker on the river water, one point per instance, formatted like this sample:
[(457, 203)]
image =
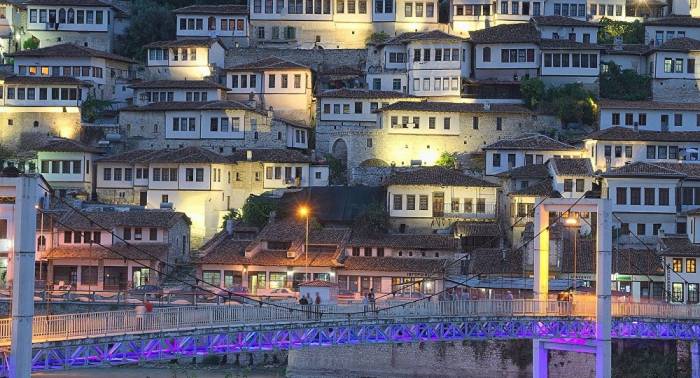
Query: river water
[(165, 372)]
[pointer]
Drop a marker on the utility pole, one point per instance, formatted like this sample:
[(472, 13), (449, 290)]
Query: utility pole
[(23, 283)]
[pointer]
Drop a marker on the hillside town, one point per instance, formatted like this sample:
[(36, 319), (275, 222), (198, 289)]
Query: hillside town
[(364, 144)]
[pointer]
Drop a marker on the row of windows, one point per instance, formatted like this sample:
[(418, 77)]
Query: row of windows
[(158, 54), (164, 174), (467, 204), (429, 10), (194, 174), (635, 196), (384, 6), (571, 60), (72, 71), (395, 84), (137, 233), (641, 229), (82, 237), (439, 84), (511, 55), (670, 34), (159, 96), (284, 81), (107, 174), (569, 185), (64, 166), (357, 108), (676, 65), (677, 292), (367, 251), (690, 265), (276, 173), (606, 10), (629, 119), (67, 16), (226, 24), (473, 10), (515, 8), (23, 93), (340, 6), (414, 122), (244, 81), (586, 37), (295, 6), (437, 55), (288, 33), (184, 54), (607, 151), (570, 10), (222, 124)]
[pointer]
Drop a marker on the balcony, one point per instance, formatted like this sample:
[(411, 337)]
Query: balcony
[(473, 211)]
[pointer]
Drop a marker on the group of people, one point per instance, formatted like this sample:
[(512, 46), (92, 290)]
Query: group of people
[(369, 301), (306, 302)]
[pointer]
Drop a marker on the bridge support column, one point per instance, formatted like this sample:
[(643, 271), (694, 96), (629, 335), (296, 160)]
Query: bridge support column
[(603, 355), (23, 283), (541, 256), (694, 359), (540, 359)]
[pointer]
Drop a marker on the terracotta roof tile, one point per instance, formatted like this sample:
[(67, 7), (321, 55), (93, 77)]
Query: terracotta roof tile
[(269, 63), (541, 189), (565, 44), (531, 142), (270, 155), (680, 44), (619, 133), (652, 105), (431, 35), (506, 33), (624, 261), (495, 261), (395, 264), (407, 241), (674, 21), (527, 171), (465, 228), (642, 169), (97, 220), (67, 145), (454, 107), (572, 167), (70, 50), (175, 106), (191, 42), (145, 251), (178, 84), (436, 176), (362, 93), (562, 21), (45, 80), (214, 9)]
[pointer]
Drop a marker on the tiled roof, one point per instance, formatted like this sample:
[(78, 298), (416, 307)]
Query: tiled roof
[(565, 44), (454, 107), (175, 106), (178, 84), (270, 155), (395, 264), (436, 176), (572, 167), (680, 44), (97, 220), (70, 50), (619, 133), (66, 145), (540, 189), (145, 251), (85, 3), (627, 49), (192, 42), (289, 230), (132, 156), (318, 283), (531, 142), (506, 33), (642, 169), (624, 261), (561, 21), (689, 169), (406, 241), (362, 93), (465, 228), (651, 105), (495, 261), (229, 251), (431, 35), (269, 63), (679, 245), (184, 155), (45, 80), (214, 9), (674, 21), (527, 171), (279, 258)]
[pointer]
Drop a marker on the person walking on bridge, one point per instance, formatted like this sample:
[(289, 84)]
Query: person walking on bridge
[(317, 303)]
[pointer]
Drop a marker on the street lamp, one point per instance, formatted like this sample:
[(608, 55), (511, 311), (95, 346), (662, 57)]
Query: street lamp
[(571, 221), (304, 212)]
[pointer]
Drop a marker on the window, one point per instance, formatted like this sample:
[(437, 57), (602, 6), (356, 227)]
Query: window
[(475, 123), (635, 196), (107, 174), (690, 266), (693, 293), (651, 152), (690, 67), (568, 185), (496, 160), (649, 196), (580, 185), (663, 197), (398, 201), (410, 202), (677, 291), (499, 123), (641, 229), (423, 202), (621, 196), (446, 123), (678, 120)]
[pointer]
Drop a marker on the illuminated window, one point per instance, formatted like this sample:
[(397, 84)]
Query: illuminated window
[(677, 265), (690, 266)]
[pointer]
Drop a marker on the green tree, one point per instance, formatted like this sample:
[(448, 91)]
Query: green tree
[(533, 92), (447, 160), (631, 32), (150, 21), (377, 38), (30, 43), (619, 84), (373, 220), (92, 108), (337, 170), (256, 210), (572, 103), (234, 215)]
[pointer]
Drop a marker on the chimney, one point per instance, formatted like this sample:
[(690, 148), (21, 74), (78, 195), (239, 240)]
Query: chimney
[(487, 107), (249, 155), (229, 227)]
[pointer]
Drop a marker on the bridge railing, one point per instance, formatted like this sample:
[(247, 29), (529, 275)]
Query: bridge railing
[(111, 323)]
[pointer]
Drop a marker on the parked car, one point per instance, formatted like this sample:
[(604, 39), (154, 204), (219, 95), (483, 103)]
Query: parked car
[(147, 291), (280, 293)]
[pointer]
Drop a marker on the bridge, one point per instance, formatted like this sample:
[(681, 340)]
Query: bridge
[(124, 337)]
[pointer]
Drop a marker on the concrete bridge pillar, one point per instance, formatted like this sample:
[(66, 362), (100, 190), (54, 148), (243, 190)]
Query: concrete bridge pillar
[(694, 359)]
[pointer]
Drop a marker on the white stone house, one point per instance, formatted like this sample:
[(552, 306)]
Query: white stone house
[(35, 108), (66, 164), (10, 24), (434, 197), (89, 23), (184, 59), (426, 64), (507, 154), (103, 248), (659, 30), (649, 115), (107, 72), (680, 255), (282, 85), (572, 177), (673, 67), (221, 126), (148, 92), (227, 21)]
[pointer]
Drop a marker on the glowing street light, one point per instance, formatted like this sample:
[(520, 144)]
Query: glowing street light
[(305, 212), (571, 220)]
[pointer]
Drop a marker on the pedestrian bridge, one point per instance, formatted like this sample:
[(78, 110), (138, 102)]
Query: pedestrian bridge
[(123, 337)]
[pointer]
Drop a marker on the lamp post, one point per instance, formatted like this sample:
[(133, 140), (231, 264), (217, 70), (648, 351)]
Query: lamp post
[(572, 222), (304, 212)]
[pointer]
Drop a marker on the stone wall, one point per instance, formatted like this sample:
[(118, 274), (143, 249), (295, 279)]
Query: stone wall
[(96, 40), (29, 126), (675, 90), (441, 359)]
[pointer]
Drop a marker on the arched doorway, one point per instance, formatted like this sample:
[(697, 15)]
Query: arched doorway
[(339, 168)]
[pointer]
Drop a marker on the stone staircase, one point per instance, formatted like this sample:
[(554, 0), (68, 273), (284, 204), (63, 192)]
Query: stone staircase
[(182, 272)]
